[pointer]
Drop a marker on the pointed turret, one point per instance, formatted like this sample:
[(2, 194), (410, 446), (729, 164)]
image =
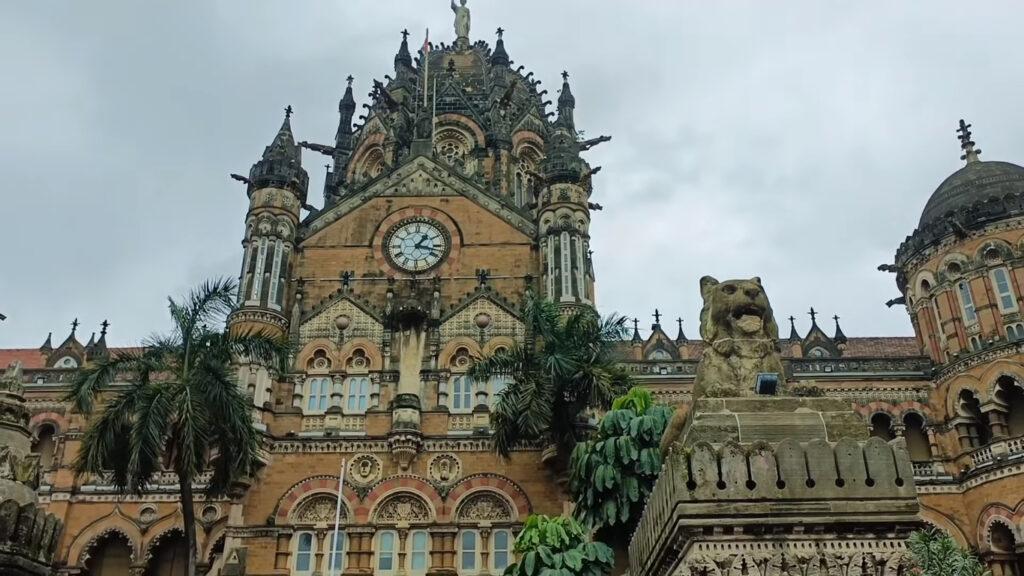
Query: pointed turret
[(100, 349), (636, 332), (817, 344), (793, 334), (499, 57), (403, 60), (839, 338), (566, 104), (71, 340), (47, 346), (346, 108), (680, 337), (90, 345), (281, 164)]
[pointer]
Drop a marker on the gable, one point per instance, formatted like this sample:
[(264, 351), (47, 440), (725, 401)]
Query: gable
[(462, 321), (321, 323), (422, 177)]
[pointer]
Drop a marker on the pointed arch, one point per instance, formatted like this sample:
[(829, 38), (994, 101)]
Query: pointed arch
[(286, 504), (114, 522)]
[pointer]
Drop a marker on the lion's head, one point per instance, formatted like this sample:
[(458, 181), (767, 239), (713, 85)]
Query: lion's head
[(736, 309)]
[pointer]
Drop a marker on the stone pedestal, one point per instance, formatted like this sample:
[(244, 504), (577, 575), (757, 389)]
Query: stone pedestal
[(777, 486), (28, 535)]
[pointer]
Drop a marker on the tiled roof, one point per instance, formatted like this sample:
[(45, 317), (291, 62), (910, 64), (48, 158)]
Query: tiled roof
[(864, 347), (29, 357)]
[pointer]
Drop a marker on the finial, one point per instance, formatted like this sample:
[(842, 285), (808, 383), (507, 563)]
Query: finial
[(103, 327), (680, 338), (500, 31), (636, 324), (840, 338), (565, 76), (349, 80), (636, 332), (836, 318), (74, 326), (288, 111), (793, 335), (405, 34), (813, 315), (966, 144), (657, 317)]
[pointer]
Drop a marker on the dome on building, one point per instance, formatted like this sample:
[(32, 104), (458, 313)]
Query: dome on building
[(977, 181)]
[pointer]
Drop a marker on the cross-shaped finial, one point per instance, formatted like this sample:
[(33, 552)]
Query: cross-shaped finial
[(565, 76), (405, 35), (288, 111), (657, 316), (792, 320), (104, 325), (500, 32), (349, 80), (680, 322), (813, 314), (970, 154), (74, 325), (481, 275), (836, 318), (636, 324)]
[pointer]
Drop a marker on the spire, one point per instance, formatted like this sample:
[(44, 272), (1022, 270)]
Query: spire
[(47, 346), (636, 332), (657, 320), (499, 57), (346, 108), (814, 318), (566, 104), (966, 144), (281, 164), (793, 334), (403, 60), (680, 337), (90, 344), (839, 338)]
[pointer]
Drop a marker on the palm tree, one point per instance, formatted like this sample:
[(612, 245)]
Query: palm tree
[(183, 410), (564, 368)]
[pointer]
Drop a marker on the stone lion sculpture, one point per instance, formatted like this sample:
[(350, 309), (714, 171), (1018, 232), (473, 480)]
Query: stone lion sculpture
[(742, 341)]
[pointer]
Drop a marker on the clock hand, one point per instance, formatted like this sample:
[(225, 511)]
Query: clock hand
[(423, 239)]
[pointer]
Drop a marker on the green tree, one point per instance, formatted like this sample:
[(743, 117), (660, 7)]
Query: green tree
[(612, 474), (935, 553), (565, 367), (558, 546), (183, 409)]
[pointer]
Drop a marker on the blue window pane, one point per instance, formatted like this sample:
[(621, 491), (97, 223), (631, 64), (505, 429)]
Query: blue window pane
[(500, 560)]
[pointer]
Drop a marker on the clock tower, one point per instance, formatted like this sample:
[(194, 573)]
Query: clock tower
[(453, 198)]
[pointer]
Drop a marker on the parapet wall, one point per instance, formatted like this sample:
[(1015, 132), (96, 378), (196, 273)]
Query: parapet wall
[(790, 483)]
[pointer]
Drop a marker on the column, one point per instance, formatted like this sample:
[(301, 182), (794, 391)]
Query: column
[(485, 551), (403, 535), (996, 419), (442, 552)]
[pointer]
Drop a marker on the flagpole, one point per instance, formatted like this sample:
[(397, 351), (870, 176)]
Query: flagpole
[(337, 519), (433, 117), (426, 67)]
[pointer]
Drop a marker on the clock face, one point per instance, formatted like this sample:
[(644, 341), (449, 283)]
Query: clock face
[(417, 245)]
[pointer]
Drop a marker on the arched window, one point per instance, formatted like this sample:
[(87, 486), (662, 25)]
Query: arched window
[(338, 558), (44, 445), (501, 550), (358, 392), (305, 548), (419, 546), (917, 439), (468, 551), (66, 362), (386, 552), (1011, 396), (462, 393), (1015, 332), (963, 288), (976, 426), (498, 385), (881, 426), (1004, 290), (659, 354), (169, 557), (1003, 554), (111, 556), (319, 396)]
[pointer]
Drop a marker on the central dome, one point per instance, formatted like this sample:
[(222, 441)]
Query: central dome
[(977, 181)]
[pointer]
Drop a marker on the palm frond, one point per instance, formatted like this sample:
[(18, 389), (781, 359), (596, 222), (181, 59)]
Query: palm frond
[(153, 411), (96, 376)]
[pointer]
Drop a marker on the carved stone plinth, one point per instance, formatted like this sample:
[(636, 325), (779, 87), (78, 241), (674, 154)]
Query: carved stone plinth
[(777, 486)]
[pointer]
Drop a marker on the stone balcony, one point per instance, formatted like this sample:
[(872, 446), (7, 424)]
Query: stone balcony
[(997, 451)]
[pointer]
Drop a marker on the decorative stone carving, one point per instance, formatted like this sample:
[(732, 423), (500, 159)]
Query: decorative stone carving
[(209, 514), (318, 509), (403, 507), (485, 507), (19, 468), (364, 470), (147, 515), (445, 469)]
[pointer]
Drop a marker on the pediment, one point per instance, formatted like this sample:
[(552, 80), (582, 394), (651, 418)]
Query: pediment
[(423, 177), (461, 321), (320, 322)]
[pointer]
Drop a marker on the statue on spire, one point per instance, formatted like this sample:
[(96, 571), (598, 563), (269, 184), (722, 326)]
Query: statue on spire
[(461, 21)]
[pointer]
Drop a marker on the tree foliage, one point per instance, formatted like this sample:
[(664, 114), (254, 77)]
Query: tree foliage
[(935, 553), (564, 368), (613, 473), (182, 410), (558, 546)]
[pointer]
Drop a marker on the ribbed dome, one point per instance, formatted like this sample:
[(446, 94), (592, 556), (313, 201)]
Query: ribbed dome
[(974, 182)]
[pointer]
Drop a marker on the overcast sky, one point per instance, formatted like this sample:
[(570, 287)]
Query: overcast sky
[(797, 141)]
